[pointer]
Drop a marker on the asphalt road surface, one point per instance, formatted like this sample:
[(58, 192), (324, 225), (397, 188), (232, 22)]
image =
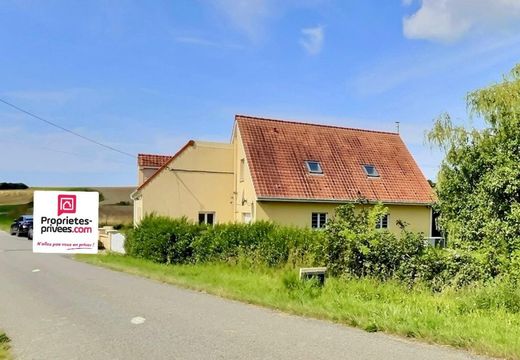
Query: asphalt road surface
[(56, 308)]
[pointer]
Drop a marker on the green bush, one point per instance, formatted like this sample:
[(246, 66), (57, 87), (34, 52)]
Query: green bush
[(166, 240), (355, 247), (228, 242), (350, 246), (162, 239), (441, 268), (257, 243), (295, 246)]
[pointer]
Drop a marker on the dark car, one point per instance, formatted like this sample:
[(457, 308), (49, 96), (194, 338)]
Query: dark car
[(21, 225)]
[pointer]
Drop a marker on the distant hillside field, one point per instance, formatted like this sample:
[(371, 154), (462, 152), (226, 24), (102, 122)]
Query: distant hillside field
[(112, 195), (13, 197)]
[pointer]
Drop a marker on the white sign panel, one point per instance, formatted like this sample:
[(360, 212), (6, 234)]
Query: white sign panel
[(65, 222)]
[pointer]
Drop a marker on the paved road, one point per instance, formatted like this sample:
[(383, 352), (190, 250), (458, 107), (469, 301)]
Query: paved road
[(70, 310)]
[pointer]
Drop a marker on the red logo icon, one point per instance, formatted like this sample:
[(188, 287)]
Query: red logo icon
[(66, 204)]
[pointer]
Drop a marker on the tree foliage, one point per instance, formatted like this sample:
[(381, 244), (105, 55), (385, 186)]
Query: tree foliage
[(479, 181), (12, 186), (354, 246)]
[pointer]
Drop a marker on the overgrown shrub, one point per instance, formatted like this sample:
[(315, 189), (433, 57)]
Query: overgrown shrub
[(355, 247), (260, 242), (350, 246), (166, 240), (441, 268), (296, 246), (227, 242), (162, 239)]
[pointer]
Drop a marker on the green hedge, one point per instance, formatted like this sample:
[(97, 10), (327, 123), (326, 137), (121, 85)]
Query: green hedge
[(167, 240), (162, 239), (350, 246)]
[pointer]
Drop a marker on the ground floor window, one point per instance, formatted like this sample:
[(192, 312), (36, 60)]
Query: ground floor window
[(206, 218), (382, 223), (246, 218), (318, 220)]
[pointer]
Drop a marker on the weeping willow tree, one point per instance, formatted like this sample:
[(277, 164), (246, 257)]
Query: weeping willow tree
[(479, 180)]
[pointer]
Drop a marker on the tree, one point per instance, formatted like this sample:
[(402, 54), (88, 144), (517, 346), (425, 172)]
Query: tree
[(12, 186), (479, 181)]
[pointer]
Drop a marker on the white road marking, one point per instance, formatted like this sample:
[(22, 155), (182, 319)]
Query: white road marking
[(36, 270), (138, 320)]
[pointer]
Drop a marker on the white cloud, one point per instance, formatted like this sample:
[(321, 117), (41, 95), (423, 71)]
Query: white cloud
[(253, 17), (191, 40), (379, 78), (312, 40), (450, 20), (195, 41), (247, 16)]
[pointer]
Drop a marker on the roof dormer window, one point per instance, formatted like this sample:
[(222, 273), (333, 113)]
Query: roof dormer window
[(370, 170), (314, 167)]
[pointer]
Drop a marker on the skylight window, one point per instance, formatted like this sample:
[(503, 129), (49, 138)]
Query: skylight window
[(370, 170), (314, 167)]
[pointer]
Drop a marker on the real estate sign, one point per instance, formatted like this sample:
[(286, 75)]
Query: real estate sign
[(65, 222)]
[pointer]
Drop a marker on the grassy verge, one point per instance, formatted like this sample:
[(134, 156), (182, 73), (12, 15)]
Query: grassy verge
[(4, 346), (477, 319)]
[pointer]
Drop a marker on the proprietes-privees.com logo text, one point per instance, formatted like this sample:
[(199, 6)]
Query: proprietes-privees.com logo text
[(67, 224)]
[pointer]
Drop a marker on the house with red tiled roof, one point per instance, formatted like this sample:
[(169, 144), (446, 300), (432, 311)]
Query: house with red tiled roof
[(292, 173)]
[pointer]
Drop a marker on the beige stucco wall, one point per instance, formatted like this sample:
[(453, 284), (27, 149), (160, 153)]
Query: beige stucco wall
[(299, 214), (144, 173), (201, 179), (138, 209), (244, 190)]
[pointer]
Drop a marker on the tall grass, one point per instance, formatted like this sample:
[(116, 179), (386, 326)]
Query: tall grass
[(481, 318)]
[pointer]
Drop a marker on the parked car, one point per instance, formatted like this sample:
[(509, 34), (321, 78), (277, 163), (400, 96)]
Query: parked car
[(21, 225)]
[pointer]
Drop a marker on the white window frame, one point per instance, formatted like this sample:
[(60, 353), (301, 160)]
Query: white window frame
[(205, 214), (247, 218), (320, 169), (382, 222), (319, 224), (373, 175)]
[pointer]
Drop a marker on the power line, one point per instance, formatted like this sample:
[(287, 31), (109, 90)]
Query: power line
[(65, 129)]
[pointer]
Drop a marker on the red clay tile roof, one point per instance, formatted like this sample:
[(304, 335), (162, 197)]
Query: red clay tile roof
[(151, 160), (276, 152)]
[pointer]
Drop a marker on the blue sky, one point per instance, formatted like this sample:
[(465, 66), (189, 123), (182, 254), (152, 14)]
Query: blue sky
[(146, 76)]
